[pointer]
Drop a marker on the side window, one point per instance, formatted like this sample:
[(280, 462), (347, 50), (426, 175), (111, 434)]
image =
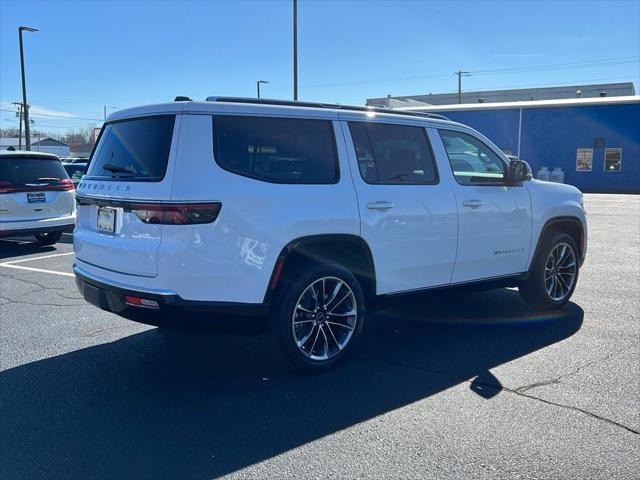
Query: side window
[(393, 154), (472, 161), (278, 150)]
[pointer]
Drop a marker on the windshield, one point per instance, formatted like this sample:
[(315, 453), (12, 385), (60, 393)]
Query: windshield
[(136, 149)]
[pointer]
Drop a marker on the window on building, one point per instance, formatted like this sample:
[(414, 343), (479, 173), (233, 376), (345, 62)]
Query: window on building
[(278, 150), (393, 154), (471, 160), (612, 159), (584, 160)]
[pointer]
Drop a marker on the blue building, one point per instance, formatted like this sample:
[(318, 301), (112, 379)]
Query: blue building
[(595, 141)]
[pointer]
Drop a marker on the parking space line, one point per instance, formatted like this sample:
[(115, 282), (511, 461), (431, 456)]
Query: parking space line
[(41, 270), (36, 258)]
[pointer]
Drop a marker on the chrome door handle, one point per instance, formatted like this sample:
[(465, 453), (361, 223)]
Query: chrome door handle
[(473, 203), (379, 205)]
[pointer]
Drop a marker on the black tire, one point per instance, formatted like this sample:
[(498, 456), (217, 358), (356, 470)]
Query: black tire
[(534, 290), (294, 290), (48, 238)]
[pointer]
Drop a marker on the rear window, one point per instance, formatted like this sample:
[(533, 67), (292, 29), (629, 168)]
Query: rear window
[(277, 150), (75, 170), (136, 149), (20, 171)]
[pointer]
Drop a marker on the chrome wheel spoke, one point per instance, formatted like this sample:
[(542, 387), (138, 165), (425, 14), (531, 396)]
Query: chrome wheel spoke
[(350, 313), (326, 343), (339, 302), (334, 294), (348, 327), (301, 343), (315, 340), (300, 322), (333, 336), (303, 309)]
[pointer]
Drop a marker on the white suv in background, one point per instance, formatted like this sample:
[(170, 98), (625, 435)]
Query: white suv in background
[(36, 196), (305, 212)]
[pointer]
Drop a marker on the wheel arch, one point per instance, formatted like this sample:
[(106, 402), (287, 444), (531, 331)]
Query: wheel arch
[(570, 225), (350, 251)]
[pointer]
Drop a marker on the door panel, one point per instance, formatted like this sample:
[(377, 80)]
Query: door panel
[(494, 220), (410, 228)]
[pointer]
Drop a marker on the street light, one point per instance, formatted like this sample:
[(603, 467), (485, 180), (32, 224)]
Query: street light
[(258, 85), (24, 87)]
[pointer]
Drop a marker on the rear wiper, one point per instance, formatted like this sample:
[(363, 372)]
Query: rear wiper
[(117, 169)]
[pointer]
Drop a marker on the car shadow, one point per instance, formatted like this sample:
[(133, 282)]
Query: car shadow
[(17, 246), (152, 405)]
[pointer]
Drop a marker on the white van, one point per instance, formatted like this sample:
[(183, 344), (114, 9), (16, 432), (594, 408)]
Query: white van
[(36, 196)]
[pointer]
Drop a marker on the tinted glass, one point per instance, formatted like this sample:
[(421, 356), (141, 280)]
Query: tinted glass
[(393, 154), (471, 160), (281, 150), (21, 171), (135, 149), (75, 170)]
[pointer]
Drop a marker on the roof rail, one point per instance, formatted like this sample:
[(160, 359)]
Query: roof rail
[(333, 106)]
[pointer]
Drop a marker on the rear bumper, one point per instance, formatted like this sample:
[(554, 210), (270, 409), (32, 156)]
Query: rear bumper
[(173, 310), (16, 229)]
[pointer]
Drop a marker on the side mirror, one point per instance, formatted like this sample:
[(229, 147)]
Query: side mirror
[(519, 171)]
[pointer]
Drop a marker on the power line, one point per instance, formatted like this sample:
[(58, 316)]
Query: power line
[(55, 116), (558, 66)]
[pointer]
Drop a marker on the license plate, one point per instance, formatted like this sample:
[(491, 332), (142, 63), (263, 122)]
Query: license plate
[(36, 197), (106, 219)]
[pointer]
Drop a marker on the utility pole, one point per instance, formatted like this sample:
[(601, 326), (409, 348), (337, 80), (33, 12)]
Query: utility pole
[(104, 112), (461, 74), (19, 104), (295, 49), (258, 85), (24, 87)]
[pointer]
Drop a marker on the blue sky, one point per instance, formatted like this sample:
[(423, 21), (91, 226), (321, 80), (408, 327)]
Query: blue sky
[(123, 53)]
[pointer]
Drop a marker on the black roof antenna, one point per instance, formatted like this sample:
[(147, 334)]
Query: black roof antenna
[(181, 98)]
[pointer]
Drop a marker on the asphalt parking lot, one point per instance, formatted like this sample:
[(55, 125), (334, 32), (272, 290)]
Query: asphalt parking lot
[(443, 386)]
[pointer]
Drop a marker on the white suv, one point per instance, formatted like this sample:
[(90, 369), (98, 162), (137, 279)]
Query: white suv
[(307, 212), (36, 196)]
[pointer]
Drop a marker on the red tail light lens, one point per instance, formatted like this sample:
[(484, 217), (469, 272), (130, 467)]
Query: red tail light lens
[(176, 213), (64, 185)]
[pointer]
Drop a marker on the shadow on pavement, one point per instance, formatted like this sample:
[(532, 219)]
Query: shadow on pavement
[(194, 406), (19, 246)]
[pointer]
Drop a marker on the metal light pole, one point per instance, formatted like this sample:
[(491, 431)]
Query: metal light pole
[(295, 49), (258, 85), (460, 74), (25, 105)]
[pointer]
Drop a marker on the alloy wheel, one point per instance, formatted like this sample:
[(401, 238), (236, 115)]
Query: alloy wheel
[(560, 272), (324, 318)]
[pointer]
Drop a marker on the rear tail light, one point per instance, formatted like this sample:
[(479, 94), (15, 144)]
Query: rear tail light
[(176, 213), (64, 185)]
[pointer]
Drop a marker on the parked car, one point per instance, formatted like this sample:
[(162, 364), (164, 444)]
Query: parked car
[(75, 171), (36, 196), (75, 159), (307, 212)]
